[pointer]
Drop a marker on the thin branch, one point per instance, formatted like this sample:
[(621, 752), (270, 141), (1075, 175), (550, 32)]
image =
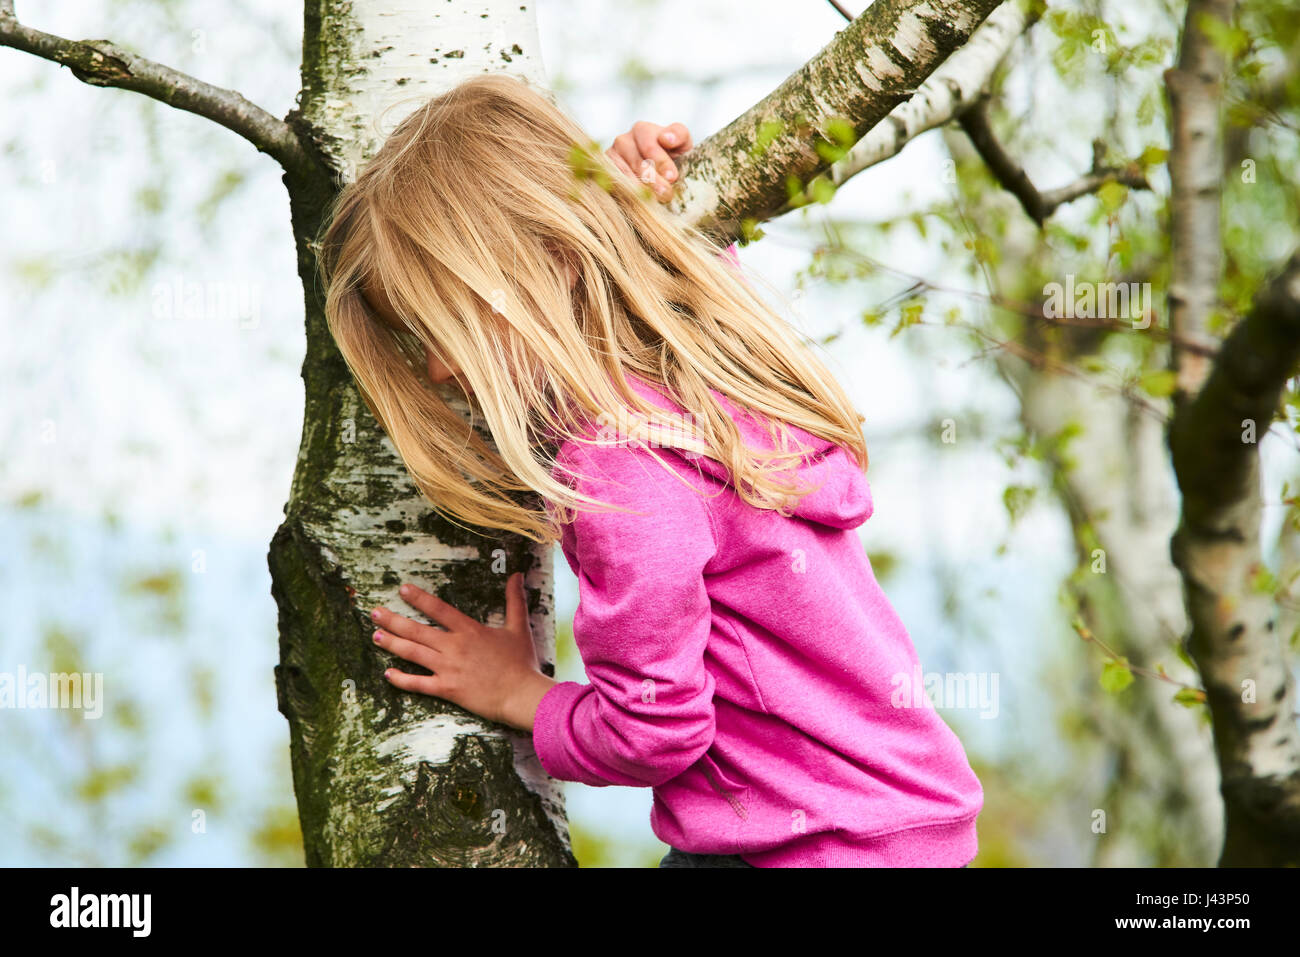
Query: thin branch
[(1043, 362), (1029, 310), (1037, 359), (1040, 205), (1246, 382), (844, 13), (103, 63), (1084, 632)]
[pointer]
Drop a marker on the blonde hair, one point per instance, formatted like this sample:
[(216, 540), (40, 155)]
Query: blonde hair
[(466, 218)]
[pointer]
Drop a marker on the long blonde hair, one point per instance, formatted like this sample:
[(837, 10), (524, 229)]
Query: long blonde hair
[(466, 219)]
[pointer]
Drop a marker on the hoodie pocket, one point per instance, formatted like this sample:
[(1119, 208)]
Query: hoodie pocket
[(745, 662), (734, 794)]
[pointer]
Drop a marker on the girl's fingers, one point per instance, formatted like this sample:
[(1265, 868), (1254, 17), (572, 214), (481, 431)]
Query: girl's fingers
[(620, 162), (625, 154), (422, 655), (629, 154), (646, 136), (397, 624), (650, 176), (655, 182), (516, 604), (437, 609), (423, 684), (676, 138)]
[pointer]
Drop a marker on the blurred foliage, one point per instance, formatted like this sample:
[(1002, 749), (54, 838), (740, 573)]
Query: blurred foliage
[(105, 806)]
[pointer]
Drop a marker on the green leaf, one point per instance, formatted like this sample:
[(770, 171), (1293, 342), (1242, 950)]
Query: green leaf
[(1153, 156), (909, 315), (1115, 675), (986, 251), (794, 191), (101, 782), (1189, 697), (840, 137), (1228, 40), (1112, 195), (823, 190), (585, 164), (1016, 499), (767, 131), (1160, 383), (1264, 581)]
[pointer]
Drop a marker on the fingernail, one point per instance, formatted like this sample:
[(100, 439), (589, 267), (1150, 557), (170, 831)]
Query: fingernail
[(670, 138), (377, 635), (375, 614), (404, 590)]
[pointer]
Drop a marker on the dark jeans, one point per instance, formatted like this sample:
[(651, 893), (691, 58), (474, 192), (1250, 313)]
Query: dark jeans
[(676, 858)]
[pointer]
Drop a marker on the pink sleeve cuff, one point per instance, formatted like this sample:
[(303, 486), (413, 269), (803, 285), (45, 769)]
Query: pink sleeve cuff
[(550, 726)]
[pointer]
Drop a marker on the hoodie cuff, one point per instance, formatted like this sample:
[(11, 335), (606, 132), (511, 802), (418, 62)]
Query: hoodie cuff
[(550, 730)]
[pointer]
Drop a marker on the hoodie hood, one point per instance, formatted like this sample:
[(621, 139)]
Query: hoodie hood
[(841, 496)]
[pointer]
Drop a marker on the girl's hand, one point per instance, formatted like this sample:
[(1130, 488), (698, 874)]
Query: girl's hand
[(646, 153), (492, 672)]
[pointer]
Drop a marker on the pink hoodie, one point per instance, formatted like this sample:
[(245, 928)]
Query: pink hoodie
[(747, 667)]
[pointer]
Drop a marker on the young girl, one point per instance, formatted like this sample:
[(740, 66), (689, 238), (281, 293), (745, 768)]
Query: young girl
[(700, 468)]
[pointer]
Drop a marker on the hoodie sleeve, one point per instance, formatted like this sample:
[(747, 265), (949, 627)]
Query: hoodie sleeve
[(642, 623)]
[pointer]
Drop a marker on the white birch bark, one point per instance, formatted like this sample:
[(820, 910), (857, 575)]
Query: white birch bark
[(952, 88), (385, 777)]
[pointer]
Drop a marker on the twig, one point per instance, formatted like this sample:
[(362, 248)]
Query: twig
[(103, 63), (844, 13), (1040, 205), (1028, 310), (1084, 632)]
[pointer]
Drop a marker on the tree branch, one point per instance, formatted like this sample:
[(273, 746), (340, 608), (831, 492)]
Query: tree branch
[(103, 63), (952, 88), (871, 66), (1234, 639), (1039, 205)]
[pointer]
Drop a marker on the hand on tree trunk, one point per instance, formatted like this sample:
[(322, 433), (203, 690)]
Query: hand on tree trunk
[(492, 672)]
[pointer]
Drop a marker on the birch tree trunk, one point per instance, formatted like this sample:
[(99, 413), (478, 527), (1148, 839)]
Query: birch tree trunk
[(1221, 410), (382, 777)]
